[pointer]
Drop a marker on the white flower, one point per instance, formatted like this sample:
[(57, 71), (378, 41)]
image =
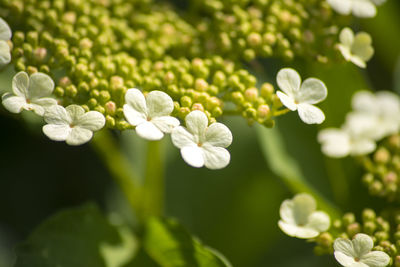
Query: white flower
[(30, 93), (356, 137), (5, 35), (72, 124), (357, 252), (150, 115), (201, 145), (299, 217), (357, 49), (383, 107), (301, 96), (359, 8)]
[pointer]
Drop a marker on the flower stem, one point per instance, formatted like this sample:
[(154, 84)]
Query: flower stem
[(119, 168), (281, 112), (153, 191)]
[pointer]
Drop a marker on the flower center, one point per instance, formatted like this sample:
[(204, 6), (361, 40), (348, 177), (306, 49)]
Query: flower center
[(199, 144), (71, 125), (28, 101), (357, 259)]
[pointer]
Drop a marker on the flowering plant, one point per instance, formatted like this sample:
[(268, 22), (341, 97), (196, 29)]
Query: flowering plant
[(133, 106)]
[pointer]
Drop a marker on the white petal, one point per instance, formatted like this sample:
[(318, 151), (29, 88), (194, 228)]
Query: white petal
[(135, 98), (38, 109), (345, 260), (287, 101), (57, 132), (20, 84), (363, 9), (356, 60), (133, 116), (364, 101), (346, 53), (345, 246), (165, 123), (303, 206), (286, 211), (193, 155), (362, 146), (378, 2), (319, 221), (215, 157), (376, 259), (12, 103), (5, 55), (289, 81), (346, 36), (312, 91), (5, 31), (310, 114), (40, 85), (42, 104), (362, 47), (362, 244), (57, 115), (75, 112), (91, 120), (149, 131), (79, 136), (341, 6), (196, 123), (218, 135), (389, 103), (297, 231), (159, 104), (182, 138), (335, 142)]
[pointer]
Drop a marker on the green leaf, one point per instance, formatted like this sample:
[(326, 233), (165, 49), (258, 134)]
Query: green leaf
[(78, 237), (170, 245)]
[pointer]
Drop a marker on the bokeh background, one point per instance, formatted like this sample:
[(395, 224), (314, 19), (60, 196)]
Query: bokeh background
[(234, 210)]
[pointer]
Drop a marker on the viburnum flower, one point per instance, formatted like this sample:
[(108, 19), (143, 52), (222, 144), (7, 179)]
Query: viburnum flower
[(203, 145), (359, 8), (72, 124), (357, 252), (5, 35), (301, 96), (357, 49), (382, 107), (150, 115), (300, 219), (30, 93), (356, 137)]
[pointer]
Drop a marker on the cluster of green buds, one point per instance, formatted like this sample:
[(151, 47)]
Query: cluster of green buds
[(260, 28), (384, 231), (96, 50), (382, 169)]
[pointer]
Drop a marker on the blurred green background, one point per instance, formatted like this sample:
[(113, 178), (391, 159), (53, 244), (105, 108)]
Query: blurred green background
[(234, 210)]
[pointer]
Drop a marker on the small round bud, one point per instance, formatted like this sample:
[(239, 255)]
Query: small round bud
[(263, 111), (254, 39), (382, 155), (348, 219), (251, 94), (201, 85), (198, 106)]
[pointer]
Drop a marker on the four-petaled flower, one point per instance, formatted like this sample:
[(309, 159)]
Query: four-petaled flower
[(359, 8), (300, 219), (357, 252), (357, 49), (201, 144), (5, 35), (301, 96), (30, 93), (150, 115), (72, 124)]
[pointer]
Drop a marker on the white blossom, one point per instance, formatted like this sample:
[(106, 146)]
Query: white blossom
[(356, 137), (357, 49), (150, 115), (301, 96), (299, 217), (382, 107), (359, 8), (5, 36), (72, 124), (203, 145), (30, 93), (357, 252)]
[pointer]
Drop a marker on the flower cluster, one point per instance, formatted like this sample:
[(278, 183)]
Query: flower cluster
[(374, 117), (362, 9), (5, 36)]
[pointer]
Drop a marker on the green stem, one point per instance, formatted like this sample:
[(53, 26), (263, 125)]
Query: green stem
[(153, 191), (280, 112), (119, 168)]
